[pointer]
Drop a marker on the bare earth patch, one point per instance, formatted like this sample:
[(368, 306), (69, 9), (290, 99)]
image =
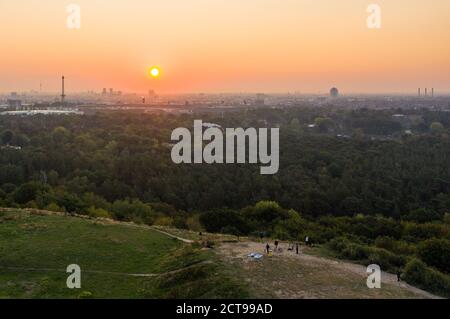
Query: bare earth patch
[(288, 275)]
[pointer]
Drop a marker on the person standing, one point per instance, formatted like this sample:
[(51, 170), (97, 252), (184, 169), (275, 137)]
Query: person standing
[(307, 241), (267, 248), (296, 248), (276, 245)]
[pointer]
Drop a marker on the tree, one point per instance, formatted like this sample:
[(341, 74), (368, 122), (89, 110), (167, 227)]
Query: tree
[(224, 220), (7, 137), (60, 134), (324, 124), (28, 192), (436, 128)]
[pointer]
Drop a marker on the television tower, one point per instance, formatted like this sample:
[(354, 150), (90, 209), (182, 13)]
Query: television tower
[(62, 94)]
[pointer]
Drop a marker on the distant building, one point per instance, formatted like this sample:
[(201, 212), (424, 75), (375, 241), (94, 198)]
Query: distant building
[(14, 104), (334, 93), (260, 99), (104, 91)]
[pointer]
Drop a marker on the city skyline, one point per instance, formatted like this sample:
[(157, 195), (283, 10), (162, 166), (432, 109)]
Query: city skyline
[(226, 46)]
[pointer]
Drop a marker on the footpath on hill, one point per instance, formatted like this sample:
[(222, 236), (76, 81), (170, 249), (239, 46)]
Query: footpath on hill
[(285, 274)]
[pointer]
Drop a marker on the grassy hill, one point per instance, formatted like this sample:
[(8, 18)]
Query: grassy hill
[(117, 261), (120, 260)]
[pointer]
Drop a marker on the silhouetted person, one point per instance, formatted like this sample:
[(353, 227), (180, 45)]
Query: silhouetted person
[(267, 248), (276, 245), (399, 275), (296, 248)]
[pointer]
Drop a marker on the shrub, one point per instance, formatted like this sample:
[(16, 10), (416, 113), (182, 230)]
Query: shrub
[(418, 274), (366, 254), (164, 221), (386, 260), (395, 246), (53, 207), (98, 213), (435, 253)]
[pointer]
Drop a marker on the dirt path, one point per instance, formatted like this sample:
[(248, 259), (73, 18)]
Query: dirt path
[(111, 272), (106, 221), (307, 272)]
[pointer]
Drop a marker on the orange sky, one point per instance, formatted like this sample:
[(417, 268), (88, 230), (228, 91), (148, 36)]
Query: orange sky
[(226, 45)]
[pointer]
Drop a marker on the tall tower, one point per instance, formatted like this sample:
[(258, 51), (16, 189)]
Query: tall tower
[(418, 91), (426, 91), (432, 92), (63, 96)]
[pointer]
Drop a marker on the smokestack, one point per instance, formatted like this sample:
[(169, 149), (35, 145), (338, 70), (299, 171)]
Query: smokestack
[(62, 94), (426, 91), (432, 92), (418, 91)]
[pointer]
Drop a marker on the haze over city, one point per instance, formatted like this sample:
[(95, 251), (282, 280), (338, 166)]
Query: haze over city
[(226, 46)]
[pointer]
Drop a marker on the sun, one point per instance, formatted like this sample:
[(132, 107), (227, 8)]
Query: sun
[(155, 72)]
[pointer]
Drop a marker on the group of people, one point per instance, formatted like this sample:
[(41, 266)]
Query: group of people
[(290, 247)]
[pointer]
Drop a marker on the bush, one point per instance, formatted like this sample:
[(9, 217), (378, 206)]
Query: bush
[(386, 260), (395, 246), (98, 213), (418, 274), (134, 210), (53, 207), (164, 221), (435, 253), (366, 254)]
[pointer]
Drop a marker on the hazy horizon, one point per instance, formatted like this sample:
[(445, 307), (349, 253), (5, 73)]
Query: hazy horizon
[(226, 46)]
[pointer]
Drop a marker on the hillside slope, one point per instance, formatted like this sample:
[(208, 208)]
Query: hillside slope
[(117, 261), (125, 260)]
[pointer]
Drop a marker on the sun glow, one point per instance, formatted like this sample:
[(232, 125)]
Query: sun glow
[(154, 72)]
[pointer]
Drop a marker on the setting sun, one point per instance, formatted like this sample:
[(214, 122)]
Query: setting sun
[(154, 72)]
